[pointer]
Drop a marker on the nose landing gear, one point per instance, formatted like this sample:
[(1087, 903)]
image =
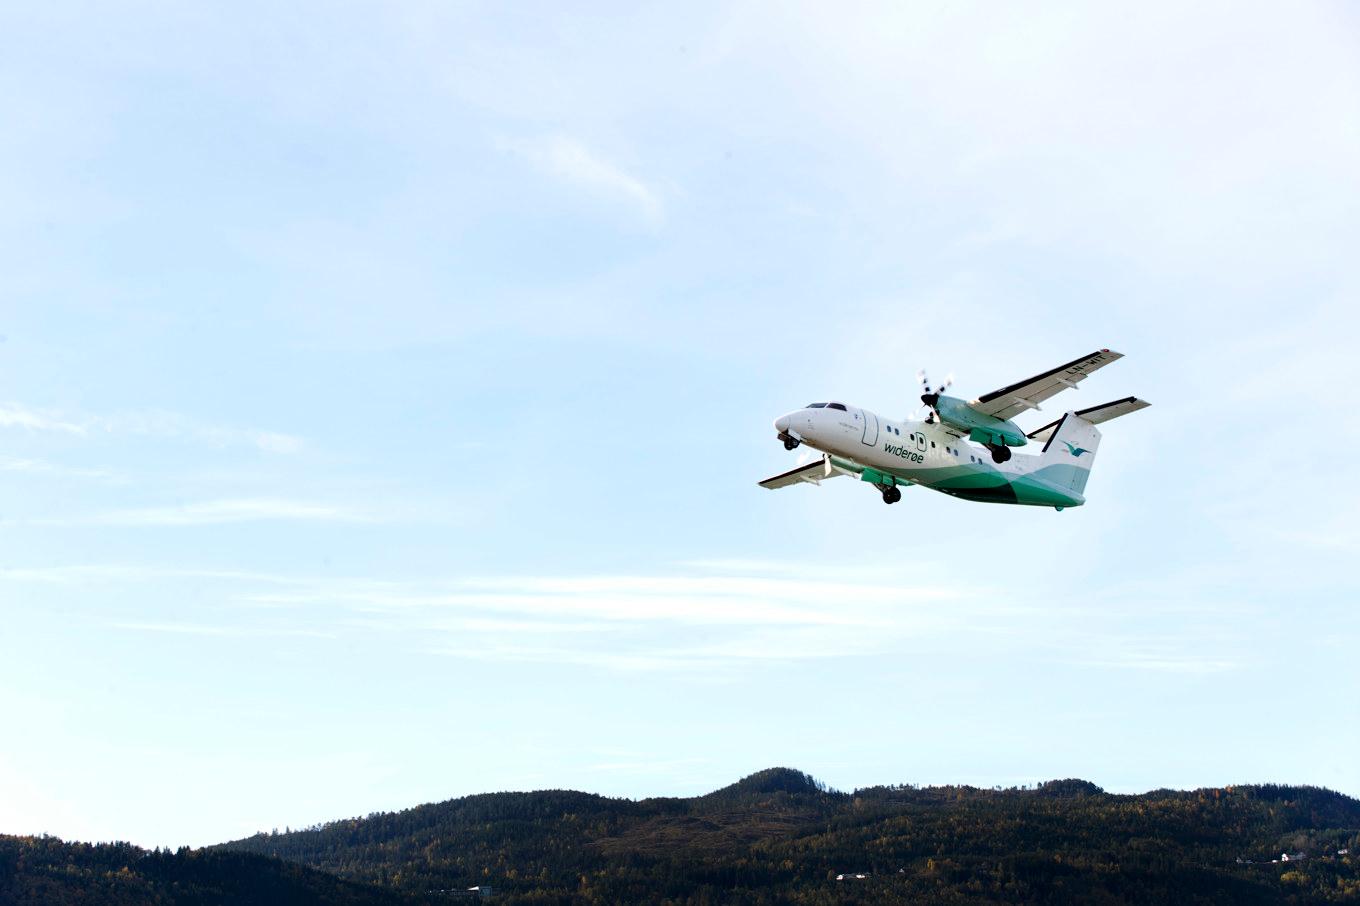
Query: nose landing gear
[(790, 442)]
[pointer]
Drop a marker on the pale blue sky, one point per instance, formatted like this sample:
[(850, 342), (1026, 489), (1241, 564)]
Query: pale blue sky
[(383, 390)]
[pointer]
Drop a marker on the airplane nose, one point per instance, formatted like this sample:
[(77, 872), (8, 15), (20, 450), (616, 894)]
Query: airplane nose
[(781, 424)]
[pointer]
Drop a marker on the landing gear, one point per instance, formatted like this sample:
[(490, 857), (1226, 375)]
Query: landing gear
[(1000, 453), (891, 495), (790, 443)]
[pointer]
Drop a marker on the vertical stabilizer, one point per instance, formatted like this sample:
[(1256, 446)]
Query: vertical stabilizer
[(1066, 458)]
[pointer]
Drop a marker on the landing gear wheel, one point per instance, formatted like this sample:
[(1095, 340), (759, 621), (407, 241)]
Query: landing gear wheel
[(790, 444), (891, 495), (1001, 454)]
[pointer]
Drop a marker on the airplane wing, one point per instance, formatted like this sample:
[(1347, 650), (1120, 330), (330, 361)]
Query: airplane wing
[(1029, 393), (1095, 415), (813, 472)]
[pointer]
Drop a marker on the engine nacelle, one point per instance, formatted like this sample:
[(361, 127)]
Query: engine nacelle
[(980, 427)]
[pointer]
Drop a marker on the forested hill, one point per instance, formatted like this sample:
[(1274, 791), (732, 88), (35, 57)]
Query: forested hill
[(45, 871), (780, 837)]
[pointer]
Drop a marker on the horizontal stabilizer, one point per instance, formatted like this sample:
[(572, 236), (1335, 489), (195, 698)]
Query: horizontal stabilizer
[(813, 472), (1095, 415)]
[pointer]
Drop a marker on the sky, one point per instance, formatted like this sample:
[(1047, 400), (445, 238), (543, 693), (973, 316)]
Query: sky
[(384, 388)]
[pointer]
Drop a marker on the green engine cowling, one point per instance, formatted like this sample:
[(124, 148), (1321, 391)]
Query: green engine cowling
[(980, 427)]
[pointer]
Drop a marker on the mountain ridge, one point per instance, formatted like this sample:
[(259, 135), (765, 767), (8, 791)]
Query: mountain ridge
[(775, 836), (779, 835)]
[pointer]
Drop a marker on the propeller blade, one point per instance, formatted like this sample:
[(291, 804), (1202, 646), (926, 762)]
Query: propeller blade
[(931, 398)]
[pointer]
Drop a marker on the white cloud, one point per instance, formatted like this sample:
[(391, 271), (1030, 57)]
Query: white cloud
[(272, 442), (1163, 661), (737, 646), (688, 623), (13, 415), (99, 574), (215, 630), (217, 512), (148, 423), (694, 600), (714, 623), (569, 159), (42, 467), (709, 625), (175, 426)]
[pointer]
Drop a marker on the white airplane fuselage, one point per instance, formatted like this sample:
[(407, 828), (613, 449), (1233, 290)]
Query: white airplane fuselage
[(891, 453)]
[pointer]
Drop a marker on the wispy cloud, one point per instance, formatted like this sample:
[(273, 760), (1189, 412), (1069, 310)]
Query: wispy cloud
[(1165, 664), (175, 426), (217, 512), (640, 623), (1160, 657), (686, 652), (709, 625), (14, 415), (43, 467), (104, 573), (692, 623), (571, 160), (148, 423), (697, 600), (219, 630)]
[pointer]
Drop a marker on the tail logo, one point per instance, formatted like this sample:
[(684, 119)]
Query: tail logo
[(1075, 450)]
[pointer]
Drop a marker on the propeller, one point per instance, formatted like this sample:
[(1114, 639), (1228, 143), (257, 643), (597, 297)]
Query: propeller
[(932, 397)]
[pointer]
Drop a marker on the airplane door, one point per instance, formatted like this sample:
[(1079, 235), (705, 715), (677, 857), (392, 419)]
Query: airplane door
[(870, 428)]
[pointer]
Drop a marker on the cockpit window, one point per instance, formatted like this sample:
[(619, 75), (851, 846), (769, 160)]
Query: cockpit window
[(840, 406), (816, 405)]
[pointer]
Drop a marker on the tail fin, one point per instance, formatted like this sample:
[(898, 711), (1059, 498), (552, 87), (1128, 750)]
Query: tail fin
[(1066, 458)]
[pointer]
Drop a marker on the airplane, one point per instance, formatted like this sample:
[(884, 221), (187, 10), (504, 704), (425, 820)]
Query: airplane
[(947, 451)]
